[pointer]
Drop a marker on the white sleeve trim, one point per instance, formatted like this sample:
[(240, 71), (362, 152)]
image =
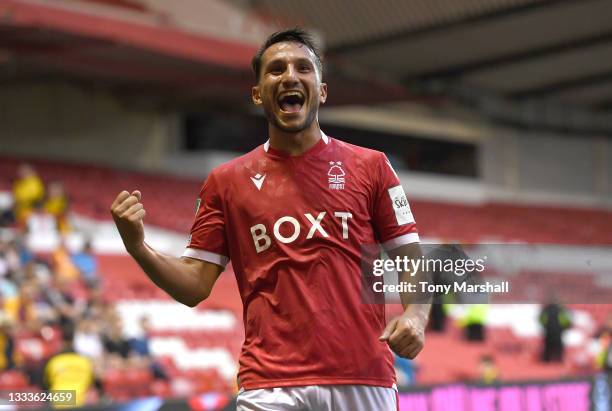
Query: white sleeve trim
[(401, 240), (206, 256)]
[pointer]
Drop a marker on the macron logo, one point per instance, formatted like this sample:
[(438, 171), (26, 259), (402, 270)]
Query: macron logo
[(258, 180)]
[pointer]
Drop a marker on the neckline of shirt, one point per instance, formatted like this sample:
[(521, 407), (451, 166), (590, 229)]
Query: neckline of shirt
[(320, 144)]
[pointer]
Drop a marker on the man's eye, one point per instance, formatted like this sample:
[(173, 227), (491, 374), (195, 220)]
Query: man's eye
[(305, 69)]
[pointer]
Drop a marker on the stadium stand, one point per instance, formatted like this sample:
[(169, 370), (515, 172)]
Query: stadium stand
[(92, 188)]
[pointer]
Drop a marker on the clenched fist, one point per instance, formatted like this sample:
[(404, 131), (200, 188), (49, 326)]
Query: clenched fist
[(405, 335), (128, 213)]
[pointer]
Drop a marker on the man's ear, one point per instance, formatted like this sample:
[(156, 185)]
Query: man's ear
[(323, 93), (256, 95)]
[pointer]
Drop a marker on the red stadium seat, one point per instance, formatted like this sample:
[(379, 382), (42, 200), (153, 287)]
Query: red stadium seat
[(13, 380), (161, 389)]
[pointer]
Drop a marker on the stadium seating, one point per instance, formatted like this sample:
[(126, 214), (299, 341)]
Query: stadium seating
[(13, 381), (93, 188), (129, 383)]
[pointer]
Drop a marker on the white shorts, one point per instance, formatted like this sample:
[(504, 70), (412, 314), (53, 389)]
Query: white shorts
[(318, 398)]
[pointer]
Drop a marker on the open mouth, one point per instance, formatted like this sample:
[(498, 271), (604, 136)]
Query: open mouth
[(291, 102)]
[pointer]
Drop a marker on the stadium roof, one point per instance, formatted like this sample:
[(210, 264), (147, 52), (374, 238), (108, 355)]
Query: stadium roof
[(142, 45), (131, 46), (558, 49), (499, 55)]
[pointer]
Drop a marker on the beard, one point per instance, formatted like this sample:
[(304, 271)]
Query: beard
[(273, 119)]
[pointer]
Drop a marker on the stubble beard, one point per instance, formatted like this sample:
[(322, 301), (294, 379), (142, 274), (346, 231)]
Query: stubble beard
[(274, 120)]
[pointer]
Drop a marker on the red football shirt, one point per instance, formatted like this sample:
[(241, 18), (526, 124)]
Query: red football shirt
[(293, 227)]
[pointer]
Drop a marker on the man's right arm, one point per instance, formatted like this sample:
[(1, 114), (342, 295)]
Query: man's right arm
[(187, 280)]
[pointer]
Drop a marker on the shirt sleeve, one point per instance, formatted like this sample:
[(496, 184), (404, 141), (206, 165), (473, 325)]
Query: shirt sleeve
[(207, 240), (393, 220)]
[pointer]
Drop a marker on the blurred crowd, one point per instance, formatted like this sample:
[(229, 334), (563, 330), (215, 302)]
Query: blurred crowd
[(53, 309)]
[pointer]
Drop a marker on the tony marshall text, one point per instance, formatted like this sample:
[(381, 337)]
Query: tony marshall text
[(425, 287)]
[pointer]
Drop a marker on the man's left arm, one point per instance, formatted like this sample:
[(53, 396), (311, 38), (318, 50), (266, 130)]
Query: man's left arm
[(405, 334), (397, 233)]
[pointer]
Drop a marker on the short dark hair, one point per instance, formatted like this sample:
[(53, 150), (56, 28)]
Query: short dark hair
[(296, 35)]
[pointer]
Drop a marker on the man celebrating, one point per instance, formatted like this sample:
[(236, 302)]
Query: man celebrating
[(292, 216)]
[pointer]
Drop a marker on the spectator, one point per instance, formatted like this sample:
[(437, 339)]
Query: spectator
[(57, 205), (35, 270), (25, 254), (69, 370), (26, 314), (67, 306), (10, 260), (9, 298), (87, 264), (114, 342), (95, 305), (87, 340), (28, 190), (140, 346), (488, 370), (474, 322), (4, 264), (604, 336), (8, 292), (44, 310), (7, 213), (7, 344), (62, 265), (606, 355), (555, 320), (109, 313), (40, 223)]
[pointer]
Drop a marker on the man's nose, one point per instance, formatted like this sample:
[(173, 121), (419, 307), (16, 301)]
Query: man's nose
[(290, 75)]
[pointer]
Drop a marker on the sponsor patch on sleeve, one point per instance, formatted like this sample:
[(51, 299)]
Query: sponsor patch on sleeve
[(400, 205)]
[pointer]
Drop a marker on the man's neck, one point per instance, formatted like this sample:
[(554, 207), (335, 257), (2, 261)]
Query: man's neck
[(297, 143)]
